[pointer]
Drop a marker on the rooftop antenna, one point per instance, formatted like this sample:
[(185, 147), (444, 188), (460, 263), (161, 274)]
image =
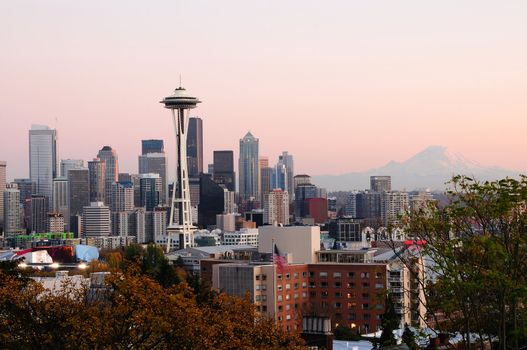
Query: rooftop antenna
[(179, 80)]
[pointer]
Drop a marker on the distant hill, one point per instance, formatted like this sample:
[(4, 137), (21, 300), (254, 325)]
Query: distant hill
[(430, 168)]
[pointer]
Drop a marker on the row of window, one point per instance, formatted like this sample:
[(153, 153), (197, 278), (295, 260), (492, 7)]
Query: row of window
[(351, 305), (338, 284), (295, 275), (323, 274), (325, 294), (288, 286), (280, 297)]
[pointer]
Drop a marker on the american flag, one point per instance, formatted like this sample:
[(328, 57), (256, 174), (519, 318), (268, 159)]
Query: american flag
[(279, 260)]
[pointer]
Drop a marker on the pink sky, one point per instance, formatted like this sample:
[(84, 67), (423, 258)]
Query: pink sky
[(343, 86)]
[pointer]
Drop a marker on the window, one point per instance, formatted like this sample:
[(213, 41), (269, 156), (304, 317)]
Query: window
[(365, 306), (311, 275), (379, 285), (304, 274), (312, 284), (338, 294), (379, 307), (264, 308), (352, 317), (264, 297), (296, 285), (365, 295), (351, 274), (352, 305), (258, 297), (264, 277), (296, 274), (279, 277), (378, 275), (337, 284), (287, 317), (279, 318), (288, 307), (304, 284), (351, 285), (365, 285), (280, 308), (257, 277), (324, 284), (324, 294), (279, 287), (338, 305), (366, 316), (304, 294), (287, 297), (365, 275), (337, 274), (287, 276), (287, 286), (264, 287), (350, 295), (296, 296), (323, 274), (312, 294), (279, 298)]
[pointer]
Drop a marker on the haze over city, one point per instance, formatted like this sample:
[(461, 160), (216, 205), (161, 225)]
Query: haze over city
[(343, 87)]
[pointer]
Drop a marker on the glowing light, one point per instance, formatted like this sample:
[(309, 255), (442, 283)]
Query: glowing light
[(54, 265), (82, 266), (22, 265), (353, 325)]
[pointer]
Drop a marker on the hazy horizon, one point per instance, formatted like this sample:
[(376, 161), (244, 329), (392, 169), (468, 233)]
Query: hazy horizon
[(344, 86)]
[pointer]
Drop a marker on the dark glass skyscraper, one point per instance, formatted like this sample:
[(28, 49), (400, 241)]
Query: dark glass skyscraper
[(195, 147), (211, 201), (224, 169), (79, 181), (152, 146)]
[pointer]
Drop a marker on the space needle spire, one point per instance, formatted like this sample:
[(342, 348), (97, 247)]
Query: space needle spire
[(180, 224)]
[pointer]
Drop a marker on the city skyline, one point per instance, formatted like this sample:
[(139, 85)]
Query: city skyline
[(452, 75)]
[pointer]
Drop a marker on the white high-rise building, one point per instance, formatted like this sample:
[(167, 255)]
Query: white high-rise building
[(12, 210), (276, 207), (2, 189), (393, 205), (96, 220), (43, 158), (122, 196)]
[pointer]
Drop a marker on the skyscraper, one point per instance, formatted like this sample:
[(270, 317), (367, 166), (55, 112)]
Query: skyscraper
[(96, 220), (266, 177), (180, 104), (249, 169), (152, 146), (211, 201), (12, 210), (43, 158), (224, 169), (97, 175), (122, 197), (61, 197), (67, 164), (380, 183), (39, 213), (109, 156), (287, 160), (195, 147), (2, 189), (150, 190), (79, 185), (155, 163), (393, 205)]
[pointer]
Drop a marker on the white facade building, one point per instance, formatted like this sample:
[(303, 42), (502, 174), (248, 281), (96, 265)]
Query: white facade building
[(246, 236)]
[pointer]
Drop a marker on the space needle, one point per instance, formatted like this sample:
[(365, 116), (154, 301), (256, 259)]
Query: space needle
[(180, 103)]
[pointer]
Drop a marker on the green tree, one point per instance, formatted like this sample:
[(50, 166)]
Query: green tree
[(408, 337), (390, 322), (475, 253)]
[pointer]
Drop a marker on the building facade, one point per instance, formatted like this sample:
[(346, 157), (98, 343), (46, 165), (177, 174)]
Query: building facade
[(109, 156), (249, 169), (195, 147), (43, 158)]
